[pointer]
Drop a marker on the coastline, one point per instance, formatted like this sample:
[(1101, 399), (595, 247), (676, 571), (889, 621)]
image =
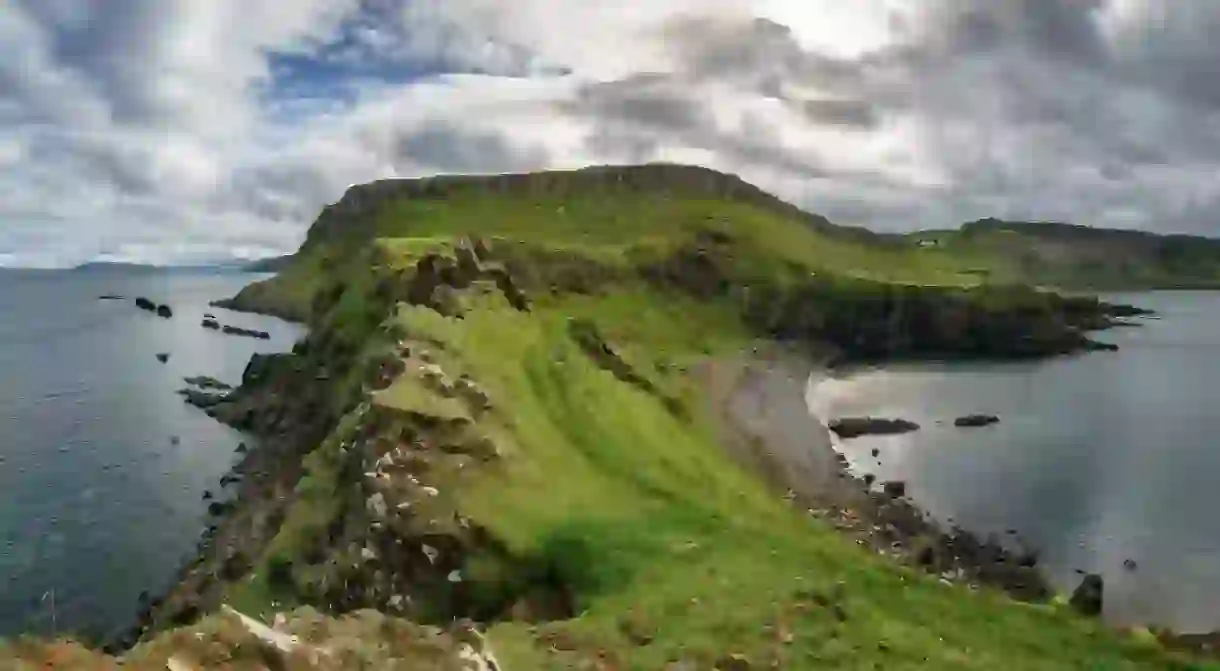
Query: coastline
[(768, 429)]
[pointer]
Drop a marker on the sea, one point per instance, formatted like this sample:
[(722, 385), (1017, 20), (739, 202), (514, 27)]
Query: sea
[(102, 466), (1104, 462)]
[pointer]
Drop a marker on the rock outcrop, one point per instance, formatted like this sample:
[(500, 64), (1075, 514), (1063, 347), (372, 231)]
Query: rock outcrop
[(975, 420), (1087, 598), (853, 427)]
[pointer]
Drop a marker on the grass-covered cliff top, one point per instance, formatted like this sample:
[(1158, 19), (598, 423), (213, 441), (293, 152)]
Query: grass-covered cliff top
[(520, 433)]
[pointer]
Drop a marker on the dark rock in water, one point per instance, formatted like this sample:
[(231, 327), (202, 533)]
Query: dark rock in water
[(241, 448), (209, 315), (207, 496), (217, 508), (869, 479), (163, 357), (145, 304), (1097, 346), (1087, 599), (110, 297), (851, 427), (895, 488), (975, 420), (210, 323), (164, 311), (249, 333), (876, 452)]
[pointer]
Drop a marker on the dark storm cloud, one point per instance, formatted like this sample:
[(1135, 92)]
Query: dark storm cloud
[(857, 113), (442, 146)]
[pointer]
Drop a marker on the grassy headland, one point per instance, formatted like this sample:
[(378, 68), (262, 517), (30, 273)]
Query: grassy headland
[(502, 368)]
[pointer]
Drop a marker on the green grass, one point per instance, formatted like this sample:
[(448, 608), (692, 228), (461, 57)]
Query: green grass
[(635, 507), (645, 515)]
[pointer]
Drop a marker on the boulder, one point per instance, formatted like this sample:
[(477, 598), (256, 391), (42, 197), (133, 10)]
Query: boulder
[(145, 304), (210, 323), (895, 489), (1087, 599), (852, 427), (164, 311), (163, 357), (975, 420)]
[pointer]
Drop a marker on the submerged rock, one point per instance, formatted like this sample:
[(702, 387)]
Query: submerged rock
[(975, 420), (852, 427)]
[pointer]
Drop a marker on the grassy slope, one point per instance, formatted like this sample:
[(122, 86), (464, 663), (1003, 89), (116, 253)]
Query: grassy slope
[(639, 509), (1077, 257)]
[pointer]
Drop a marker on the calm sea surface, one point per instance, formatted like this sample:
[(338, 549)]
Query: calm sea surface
[(102, 467), (1097, 459)]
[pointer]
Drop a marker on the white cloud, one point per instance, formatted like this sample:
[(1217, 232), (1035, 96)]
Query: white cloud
[(175, 129)]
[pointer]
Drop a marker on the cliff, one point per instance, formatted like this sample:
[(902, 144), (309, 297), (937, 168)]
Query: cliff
[(497, 417)]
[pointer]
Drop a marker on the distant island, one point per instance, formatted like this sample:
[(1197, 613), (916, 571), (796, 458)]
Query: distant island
[(265, 265)]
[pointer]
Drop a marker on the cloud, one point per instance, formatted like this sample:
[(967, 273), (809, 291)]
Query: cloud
[(175, 130)]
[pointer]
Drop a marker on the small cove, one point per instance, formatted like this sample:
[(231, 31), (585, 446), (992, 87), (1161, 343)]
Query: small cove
[(1097, 459)]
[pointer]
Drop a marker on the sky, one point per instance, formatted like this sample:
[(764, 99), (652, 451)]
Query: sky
[(180, 131)]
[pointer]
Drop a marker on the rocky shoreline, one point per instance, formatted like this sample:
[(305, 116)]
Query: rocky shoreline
[(768, 429)]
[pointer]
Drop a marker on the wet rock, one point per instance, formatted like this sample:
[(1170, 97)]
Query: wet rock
[(110, 297), (249, 333), (210, 323), (145, 304), (163, 357), (218, 508), (165, 311), (1087, 599), (895, 489), (975, 420), (852, 427)]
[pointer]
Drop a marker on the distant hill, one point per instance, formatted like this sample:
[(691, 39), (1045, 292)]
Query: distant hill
[(233, 266), (1073, 256), (272, 264)]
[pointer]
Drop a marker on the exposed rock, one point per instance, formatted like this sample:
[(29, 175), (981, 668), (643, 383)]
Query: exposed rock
[(205, 382), (210, 323), (201, 399), (145, 304), (249, 333), (165, 311), (163, 357), (895, 488), (1087, 599), (110, 297), (975, 420), (852, 427), (376, 505)]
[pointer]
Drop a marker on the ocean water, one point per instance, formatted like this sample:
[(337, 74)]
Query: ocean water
[(102, 467), (1097, 459)]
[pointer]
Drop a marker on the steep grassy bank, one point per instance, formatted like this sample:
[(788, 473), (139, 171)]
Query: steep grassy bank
[(512, 431)]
